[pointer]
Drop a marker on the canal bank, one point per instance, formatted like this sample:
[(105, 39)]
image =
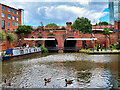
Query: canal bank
[(30, 72), (100, 51)]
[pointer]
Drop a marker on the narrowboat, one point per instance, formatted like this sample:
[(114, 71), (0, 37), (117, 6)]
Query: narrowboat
[(18, 53)]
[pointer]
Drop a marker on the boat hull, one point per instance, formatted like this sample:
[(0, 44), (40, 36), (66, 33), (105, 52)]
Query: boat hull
[(20, 56)]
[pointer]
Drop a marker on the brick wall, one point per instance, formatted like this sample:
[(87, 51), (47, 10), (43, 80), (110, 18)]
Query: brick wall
[(11, 27), (0, 16)]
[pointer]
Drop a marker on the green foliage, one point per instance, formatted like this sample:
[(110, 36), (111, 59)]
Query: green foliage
[(2, 36), (63, 28), (51, 24), (113, 46), (103, 23), (106, 31), (39, 28), (57, 27), (51, 32), (23, 29), (10, 37), (43, 49), (95, 46), (80, 35), (83, 24)]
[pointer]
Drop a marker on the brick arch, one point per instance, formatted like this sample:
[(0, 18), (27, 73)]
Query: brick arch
[(48, 43)]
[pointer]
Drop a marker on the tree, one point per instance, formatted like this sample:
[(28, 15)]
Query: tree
[(51, 24), (106, 31), (24, 29), (103, 23), (10, 37), (63, 28), (2, 36), (82, 24)]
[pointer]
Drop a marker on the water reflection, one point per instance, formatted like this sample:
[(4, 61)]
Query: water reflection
[(86, 71)]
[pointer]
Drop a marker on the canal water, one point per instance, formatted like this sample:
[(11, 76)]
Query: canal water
[(86, 71)]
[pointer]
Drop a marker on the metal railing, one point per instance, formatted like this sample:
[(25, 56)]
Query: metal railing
[(63, 48)]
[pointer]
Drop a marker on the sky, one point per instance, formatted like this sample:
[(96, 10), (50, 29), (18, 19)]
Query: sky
[(60, 11)]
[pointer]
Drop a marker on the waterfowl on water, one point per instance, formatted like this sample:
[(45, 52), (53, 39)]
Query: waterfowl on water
[(85, 71), (47, 80), (68, 81), (7, 82)]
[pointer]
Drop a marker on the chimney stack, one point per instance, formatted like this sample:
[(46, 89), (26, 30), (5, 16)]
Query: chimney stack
[(69, 26)]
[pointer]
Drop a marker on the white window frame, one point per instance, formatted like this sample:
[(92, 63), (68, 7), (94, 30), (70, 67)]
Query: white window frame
[(9, 9), (13, 17), (17, 13), (17, 18), (3, 14), (9, 17)]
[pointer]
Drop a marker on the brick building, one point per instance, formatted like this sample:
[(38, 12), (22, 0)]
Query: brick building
[(10, 17)]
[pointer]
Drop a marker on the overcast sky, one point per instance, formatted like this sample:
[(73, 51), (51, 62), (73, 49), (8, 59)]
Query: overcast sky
[(50, 11)]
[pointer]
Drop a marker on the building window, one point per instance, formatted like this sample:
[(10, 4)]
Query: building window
[(13, 17), (13, 23), (17, 12), (17, 18), (16, 24), (13, 11), (3, 24), (8, 24), (3, 8), (9, 10), (9, 16), (3, 15)]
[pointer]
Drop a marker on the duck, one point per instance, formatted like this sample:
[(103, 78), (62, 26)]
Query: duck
[(85, 71), (47, 80), (7, 82), (69, 81)]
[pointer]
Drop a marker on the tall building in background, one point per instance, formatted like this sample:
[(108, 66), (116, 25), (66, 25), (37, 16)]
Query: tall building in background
[(10, 17), (114, 8)]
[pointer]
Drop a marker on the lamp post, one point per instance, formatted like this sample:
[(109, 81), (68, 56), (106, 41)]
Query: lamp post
[(92, 44), (19, 42)]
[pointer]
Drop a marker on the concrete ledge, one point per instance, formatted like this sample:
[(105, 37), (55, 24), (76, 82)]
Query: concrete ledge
[(100, 52)]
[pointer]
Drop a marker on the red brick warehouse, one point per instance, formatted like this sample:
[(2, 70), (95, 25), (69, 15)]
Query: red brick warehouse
[(61, 37), (10, 18)]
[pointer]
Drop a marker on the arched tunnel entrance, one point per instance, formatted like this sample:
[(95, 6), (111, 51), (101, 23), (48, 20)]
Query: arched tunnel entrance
[(70, 45), (51, 45)]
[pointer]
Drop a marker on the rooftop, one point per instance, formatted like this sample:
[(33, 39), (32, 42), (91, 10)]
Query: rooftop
[(11, 7)]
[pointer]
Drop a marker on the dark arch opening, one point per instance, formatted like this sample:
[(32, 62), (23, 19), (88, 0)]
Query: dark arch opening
[(84, 45), (51, 45), (70, 45), (24, 45), (32, 37)]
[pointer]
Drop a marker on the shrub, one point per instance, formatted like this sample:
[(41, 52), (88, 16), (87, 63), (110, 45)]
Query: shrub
[(51, 32), (2, 36), (39, 28), (57, 28), (106, 31), (95, 46), (113, 46), (63, 28), (43, 49), (80, 35), (24, 29), (10, 37)]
